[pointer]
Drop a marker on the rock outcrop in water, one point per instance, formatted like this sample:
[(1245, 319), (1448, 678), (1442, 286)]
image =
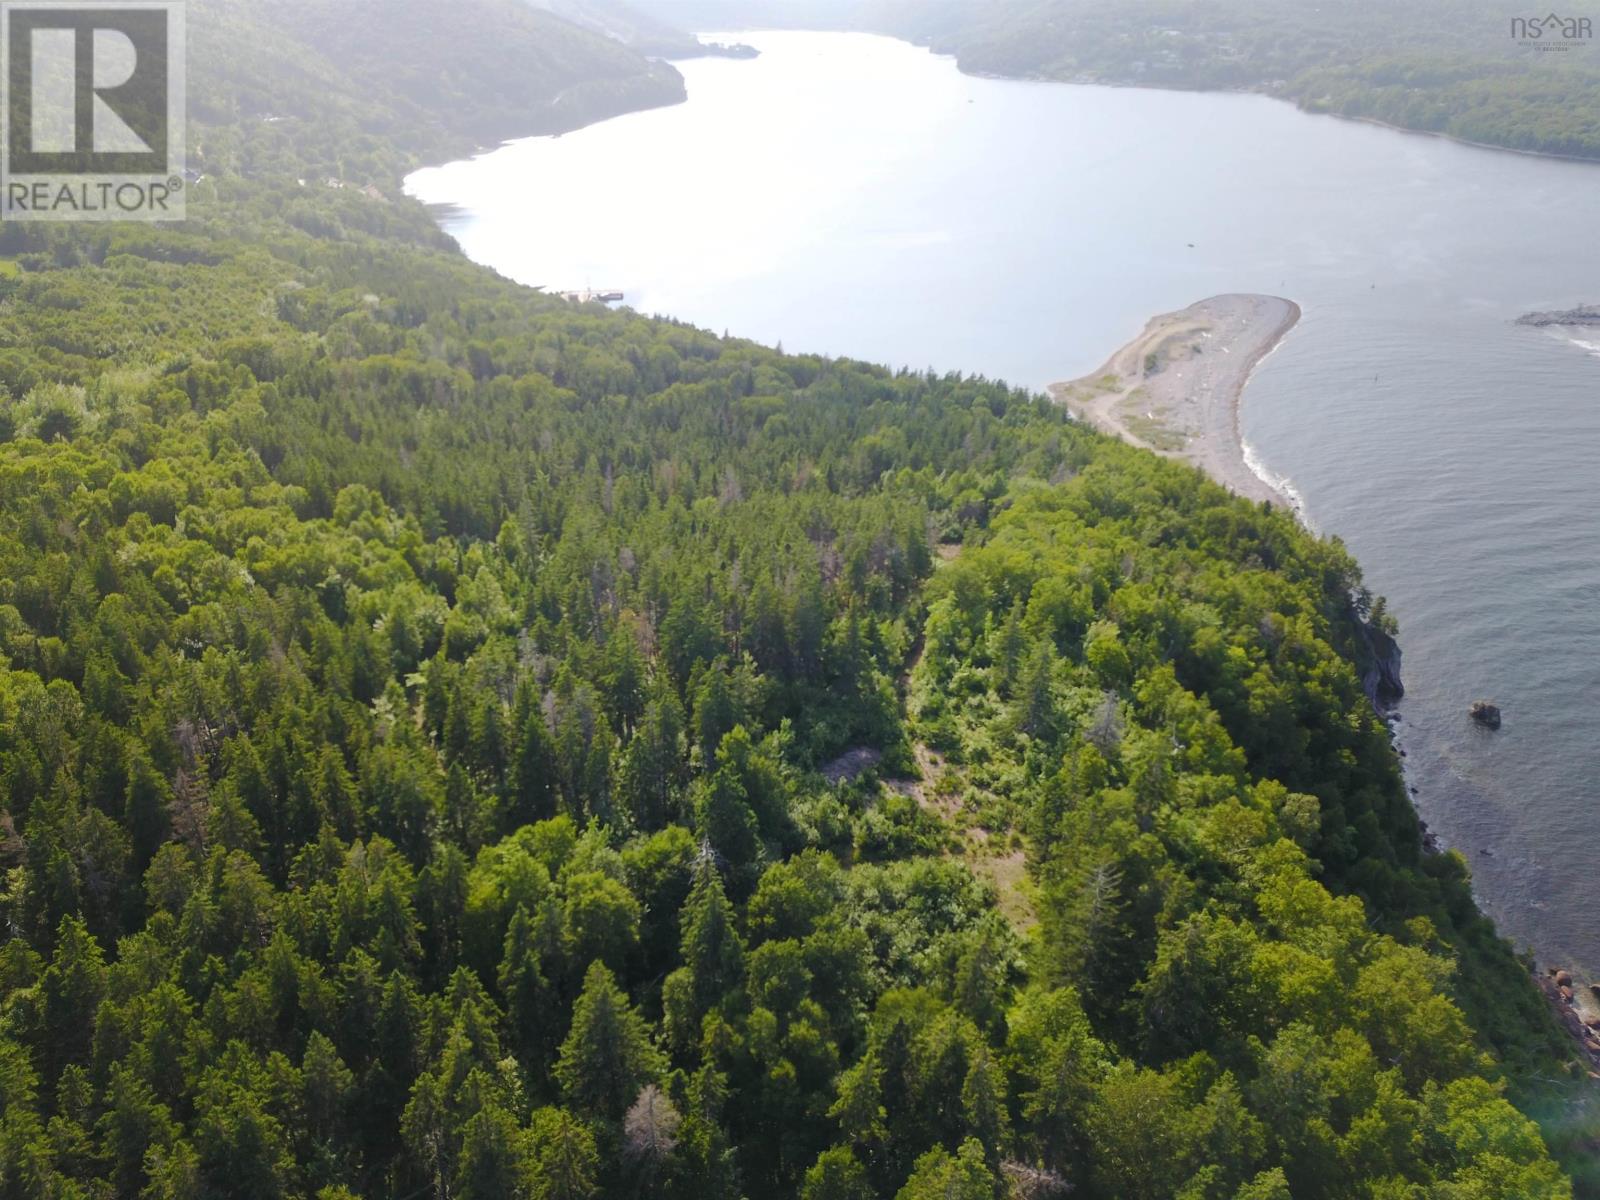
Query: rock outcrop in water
[(1485, 713), (1584, 314), (1380, 667)]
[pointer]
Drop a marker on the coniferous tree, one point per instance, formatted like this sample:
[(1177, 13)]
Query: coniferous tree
[(566, 1164), (533, 765), (607, 1055), (524, 990)]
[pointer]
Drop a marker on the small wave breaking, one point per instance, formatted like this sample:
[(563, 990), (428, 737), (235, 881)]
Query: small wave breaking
[(1279, 483)]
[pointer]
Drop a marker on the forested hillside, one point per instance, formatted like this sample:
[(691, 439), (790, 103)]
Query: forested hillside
[(421, 706), (332, 88)]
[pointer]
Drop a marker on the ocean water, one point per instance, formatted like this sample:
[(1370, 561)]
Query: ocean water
[(854, 195)]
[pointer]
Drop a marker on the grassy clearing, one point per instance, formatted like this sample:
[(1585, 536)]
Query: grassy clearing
[(1153, 431)]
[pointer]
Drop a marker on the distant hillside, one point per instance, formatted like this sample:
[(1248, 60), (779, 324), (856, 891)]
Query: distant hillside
[(427, 78), (1449, 66), (625, 24)]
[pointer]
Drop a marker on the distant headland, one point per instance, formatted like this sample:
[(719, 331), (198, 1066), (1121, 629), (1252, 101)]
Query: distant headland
[(1584, 314)]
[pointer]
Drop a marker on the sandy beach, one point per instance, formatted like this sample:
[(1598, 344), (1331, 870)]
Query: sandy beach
[(1175, 388)]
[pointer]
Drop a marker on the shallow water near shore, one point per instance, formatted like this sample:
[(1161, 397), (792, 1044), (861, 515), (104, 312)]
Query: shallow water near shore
[(849, 194)]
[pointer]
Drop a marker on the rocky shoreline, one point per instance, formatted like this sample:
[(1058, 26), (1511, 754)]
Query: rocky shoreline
[(1584, 314), (1380, 666), (1580, 1020)]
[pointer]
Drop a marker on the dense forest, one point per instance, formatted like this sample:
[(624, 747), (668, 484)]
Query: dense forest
[(1455, 67), (457, 743)]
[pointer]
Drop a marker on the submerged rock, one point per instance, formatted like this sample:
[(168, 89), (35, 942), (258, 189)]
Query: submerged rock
[(1485, 713)]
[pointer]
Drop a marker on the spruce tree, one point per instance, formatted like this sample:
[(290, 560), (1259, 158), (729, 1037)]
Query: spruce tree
[(607, 1055)]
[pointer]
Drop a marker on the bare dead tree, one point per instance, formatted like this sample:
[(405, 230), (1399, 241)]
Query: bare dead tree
[(649, 1131), (1032, 1183), (1105, 732)]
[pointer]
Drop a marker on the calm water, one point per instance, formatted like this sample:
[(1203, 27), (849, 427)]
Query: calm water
[(854, 195)]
